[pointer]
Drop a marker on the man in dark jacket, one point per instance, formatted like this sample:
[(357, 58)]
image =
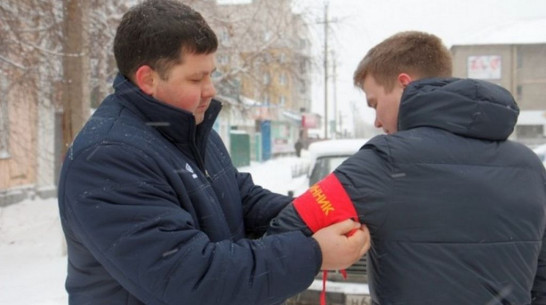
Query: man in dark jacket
[(152, 208), (456, 211)]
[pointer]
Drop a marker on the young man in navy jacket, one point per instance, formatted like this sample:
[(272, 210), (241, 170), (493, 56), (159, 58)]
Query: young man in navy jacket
[(153, 210), (455, 210)]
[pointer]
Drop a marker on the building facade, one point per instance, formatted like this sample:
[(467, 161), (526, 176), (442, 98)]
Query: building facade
[(27, 114), (512, 55)]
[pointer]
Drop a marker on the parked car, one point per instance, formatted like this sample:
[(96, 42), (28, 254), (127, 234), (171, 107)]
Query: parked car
[(541, 153), (324, 157)]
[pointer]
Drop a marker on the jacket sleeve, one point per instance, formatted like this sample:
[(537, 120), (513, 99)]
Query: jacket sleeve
[(133, 225), (538, 293), (259, 205), (288, 220), (357, 189)]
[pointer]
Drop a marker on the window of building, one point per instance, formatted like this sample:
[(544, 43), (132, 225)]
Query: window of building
[(282, 79), (303, 67), (224, 36), (223, 59), (4, 117), (267, 35), (267, 78), (282, 100), (303, 88), (519, 93), (268, 58), (217, 74)]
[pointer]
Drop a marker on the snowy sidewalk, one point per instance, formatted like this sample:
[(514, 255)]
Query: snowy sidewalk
[(32, 264)]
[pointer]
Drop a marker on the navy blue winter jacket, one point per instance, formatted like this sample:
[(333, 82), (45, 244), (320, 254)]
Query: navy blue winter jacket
[(456, 211), (154, 212)]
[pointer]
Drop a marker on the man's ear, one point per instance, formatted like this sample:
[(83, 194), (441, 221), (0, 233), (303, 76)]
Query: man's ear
[(145, 78), (404, 79)]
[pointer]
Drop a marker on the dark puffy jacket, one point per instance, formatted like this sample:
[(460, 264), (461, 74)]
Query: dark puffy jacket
[(456, 211), (154, 212)]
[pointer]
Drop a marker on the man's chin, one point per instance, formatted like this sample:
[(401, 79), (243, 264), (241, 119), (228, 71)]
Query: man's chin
[(199, 118)]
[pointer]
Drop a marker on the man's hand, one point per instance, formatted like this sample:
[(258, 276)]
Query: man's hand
[(339, 250)]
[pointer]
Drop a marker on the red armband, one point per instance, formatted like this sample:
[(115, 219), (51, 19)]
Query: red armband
[(325, 203)]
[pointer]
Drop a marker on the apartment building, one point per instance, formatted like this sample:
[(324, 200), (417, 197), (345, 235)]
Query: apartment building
[(513, 56)]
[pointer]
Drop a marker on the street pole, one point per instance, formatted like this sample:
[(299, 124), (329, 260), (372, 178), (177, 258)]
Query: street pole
[(334, 81), (326, 70)]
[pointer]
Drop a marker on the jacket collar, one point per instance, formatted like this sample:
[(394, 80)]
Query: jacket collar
[(177, 125)]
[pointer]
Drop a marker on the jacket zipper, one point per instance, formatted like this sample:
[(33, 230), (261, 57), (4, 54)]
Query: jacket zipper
[(200, 161)]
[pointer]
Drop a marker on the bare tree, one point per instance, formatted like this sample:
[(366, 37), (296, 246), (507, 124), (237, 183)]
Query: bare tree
[(105, 16), (264, 48), (29, 66)]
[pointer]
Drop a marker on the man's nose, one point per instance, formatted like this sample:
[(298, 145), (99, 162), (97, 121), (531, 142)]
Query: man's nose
[(377, 123), (209, 90)]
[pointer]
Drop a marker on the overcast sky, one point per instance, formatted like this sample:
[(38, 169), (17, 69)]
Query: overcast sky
[(360, 24)]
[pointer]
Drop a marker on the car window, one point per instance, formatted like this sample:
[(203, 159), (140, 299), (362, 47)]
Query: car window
[(323, 166)]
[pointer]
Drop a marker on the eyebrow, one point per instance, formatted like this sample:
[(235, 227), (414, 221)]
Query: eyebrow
[(203, 73)]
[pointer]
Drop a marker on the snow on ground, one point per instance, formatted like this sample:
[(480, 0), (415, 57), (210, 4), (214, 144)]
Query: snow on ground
[(281, 175), (32, 261)]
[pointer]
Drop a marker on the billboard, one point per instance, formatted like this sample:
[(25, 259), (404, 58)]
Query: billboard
[(310, 120), (484, 67)]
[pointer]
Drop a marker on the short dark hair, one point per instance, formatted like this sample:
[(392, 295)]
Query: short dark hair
[(156, 32), (418, 53)]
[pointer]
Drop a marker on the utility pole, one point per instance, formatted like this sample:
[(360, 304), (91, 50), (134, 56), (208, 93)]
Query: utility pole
[(75, 93), (334, 83), (326, 21)]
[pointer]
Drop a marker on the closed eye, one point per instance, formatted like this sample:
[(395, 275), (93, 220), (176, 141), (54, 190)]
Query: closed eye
[(372, 103)]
